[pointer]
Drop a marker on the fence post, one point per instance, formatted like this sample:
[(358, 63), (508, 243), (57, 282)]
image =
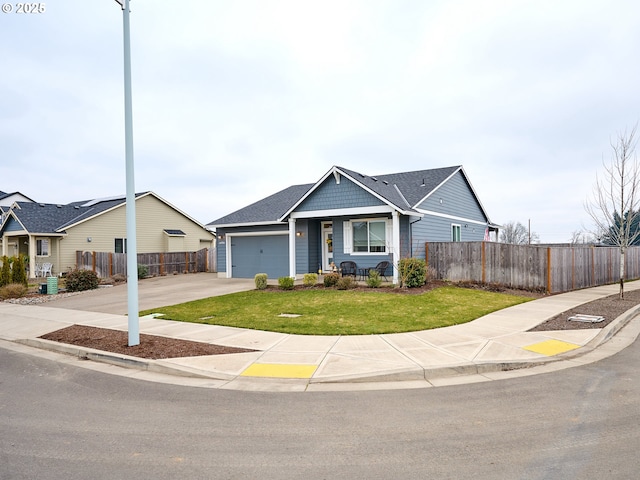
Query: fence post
[(93, 261), (573, 268), (483, 261), (549, 270), (426, 253)]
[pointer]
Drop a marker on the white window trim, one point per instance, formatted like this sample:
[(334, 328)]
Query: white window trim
[(347, 232), (124, 244), (43, 241)]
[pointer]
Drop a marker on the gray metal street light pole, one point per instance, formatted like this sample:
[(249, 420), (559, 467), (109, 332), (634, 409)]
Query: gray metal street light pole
[(131, 242)]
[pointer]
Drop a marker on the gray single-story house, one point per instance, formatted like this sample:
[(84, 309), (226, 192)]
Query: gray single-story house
[(348, 216)]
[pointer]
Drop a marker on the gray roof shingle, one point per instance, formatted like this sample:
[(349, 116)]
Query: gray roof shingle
[(404, 190), (54, 218), (268, 209)]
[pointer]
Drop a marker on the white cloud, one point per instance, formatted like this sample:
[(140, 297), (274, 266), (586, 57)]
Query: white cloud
[(234, 101)]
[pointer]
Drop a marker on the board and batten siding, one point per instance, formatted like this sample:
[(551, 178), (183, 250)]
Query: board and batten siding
[(152, 218), (331, 195)]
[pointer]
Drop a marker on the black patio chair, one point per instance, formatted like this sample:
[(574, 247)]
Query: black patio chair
[(348, 268), (381, 268)]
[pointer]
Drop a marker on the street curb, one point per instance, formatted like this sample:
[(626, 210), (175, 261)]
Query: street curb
[(119, 360), (163, 366)]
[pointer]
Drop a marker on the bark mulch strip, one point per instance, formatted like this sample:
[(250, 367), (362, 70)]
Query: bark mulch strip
[(150, 347)]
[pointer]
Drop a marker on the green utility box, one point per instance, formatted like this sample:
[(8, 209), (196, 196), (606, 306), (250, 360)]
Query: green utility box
[(52, 285)]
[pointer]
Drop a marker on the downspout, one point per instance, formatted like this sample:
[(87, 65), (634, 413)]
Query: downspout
[(411, 236)]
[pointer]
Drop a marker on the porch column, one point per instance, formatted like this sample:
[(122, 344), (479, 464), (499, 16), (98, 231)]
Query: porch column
[(32, 256), (395, 249), (292, 247)]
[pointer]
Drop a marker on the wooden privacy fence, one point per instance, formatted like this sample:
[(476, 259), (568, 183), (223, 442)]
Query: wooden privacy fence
[(107, 264), (554, 269)]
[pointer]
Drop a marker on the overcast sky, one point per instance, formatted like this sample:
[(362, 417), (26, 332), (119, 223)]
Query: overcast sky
[(236, 100)]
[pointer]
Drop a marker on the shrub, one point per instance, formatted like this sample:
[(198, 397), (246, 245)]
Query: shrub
[(13, 290), (430, 273), (346, 283), (143, 271), (310, 279), (119, 278), (5, 272), (374, 280), (81, 280), (18, 273), (330, 279), (412, 272), (285, 283), (261, 281)]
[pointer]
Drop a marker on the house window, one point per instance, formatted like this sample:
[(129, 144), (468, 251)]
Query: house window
[(121, 245), (455, 233), (369, 236), (42, 247)]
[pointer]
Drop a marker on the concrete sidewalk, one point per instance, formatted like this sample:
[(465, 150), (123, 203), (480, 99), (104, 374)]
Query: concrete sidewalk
[(489, 348)]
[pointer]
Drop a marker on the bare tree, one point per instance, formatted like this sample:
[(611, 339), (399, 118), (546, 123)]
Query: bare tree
[(517, 234), (615, 204), (582, 237)]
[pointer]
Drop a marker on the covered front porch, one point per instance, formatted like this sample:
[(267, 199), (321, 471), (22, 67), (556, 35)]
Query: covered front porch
[(41, 252), (323, 244)]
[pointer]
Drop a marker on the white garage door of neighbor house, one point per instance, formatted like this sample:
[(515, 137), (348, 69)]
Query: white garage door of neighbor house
[(260, 254)]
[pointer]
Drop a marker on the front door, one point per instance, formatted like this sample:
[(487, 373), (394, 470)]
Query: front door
[(327, 246)]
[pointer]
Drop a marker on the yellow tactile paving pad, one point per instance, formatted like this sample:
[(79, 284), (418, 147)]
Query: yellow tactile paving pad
[(277, 370), (551, 347)]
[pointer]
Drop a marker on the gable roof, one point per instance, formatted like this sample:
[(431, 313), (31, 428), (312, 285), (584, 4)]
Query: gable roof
[(265, 211), (52, 219), (402, 191), (5, 195)]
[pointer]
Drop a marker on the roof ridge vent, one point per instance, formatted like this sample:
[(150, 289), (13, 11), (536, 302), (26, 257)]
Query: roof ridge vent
[(374, 179)]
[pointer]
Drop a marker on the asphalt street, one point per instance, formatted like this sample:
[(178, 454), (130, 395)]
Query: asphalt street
[(61, 421)]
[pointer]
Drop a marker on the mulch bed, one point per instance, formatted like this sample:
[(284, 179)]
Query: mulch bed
[(608, 307), (151, 346)]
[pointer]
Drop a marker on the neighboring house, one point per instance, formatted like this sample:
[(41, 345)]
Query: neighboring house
[(50, 233), (350, 216), (6, 201)]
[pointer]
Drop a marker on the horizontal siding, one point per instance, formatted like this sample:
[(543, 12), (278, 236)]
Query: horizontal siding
[(152, 218), (432, 228), (455, 198)]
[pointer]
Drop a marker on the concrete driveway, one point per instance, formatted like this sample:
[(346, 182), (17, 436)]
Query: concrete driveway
[(155, 292)]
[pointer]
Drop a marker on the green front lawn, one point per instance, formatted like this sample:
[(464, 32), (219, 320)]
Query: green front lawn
[(341, 312)]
